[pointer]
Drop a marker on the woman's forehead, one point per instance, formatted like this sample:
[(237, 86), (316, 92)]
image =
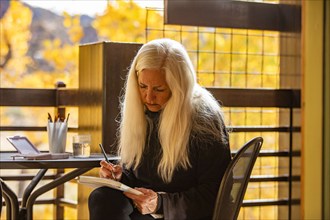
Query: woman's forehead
[(152, 76)]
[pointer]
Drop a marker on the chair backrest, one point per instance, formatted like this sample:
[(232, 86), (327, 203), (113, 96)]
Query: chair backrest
[(0, 196), (235, 180)]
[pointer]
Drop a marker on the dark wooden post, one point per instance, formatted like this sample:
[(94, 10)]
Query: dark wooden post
[(59, 109), (59, 191), (103, 67)]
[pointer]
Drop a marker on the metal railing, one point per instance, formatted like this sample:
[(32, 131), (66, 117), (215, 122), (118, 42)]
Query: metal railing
[(60, 97)]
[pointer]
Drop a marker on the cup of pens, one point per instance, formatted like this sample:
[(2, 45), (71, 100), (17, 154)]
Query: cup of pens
[(57, 130)]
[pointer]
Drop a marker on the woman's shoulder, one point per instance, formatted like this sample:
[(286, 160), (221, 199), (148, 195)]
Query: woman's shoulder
[(208, 144), (208, 127), (207, 120), (204, 104)]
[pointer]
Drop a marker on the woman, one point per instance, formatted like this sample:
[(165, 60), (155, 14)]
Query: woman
[(172, 141)]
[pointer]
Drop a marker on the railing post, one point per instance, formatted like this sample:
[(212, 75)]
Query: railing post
[(59, 191), (59, 110)]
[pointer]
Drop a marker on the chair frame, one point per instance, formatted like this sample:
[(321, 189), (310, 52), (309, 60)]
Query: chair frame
[(256, 143)]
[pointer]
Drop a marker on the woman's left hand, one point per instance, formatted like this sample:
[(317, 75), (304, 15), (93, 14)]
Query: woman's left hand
[(145, 203)]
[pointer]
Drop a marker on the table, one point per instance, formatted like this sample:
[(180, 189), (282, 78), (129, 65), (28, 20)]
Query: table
[(80, 165)]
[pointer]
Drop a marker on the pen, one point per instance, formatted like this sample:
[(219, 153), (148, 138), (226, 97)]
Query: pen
[(106, 159), (104, 154)]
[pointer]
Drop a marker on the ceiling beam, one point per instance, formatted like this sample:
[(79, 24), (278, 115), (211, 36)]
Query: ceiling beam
[(233, 14)]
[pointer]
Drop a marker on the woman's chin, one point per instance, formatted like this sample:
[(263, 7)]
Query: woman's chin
[(153, 108)]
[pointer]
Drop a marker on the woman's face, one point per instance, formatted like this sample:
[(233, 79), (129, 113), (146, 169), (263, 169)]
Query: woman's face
[(154, 90)]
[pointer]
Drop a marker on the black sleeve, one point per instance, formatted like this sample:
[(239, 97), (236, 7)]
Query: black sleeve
[(159, 208), (198, 202), (128, 177)]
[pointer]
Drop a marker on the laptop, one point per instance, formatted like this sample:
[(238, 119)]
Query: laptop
[(28, 151)]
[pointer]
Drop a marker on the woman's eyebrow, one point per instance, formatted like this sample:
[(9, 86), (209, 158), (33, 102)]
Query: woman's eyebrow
[(154, 86)]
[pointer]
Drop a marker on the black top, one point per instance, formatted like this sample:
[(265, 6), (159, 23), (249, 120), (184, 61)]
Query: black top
[(191, 194)]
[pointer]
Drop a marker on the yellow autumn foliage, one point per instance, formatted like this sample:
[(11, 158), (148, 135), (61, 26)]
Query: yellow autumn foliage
[(14, 38), (122, 21), (72, 23)]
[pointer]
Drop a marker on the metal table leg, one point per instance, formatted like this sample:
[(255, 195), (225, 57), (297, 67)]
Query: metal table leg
[(27, 192), (63, 179), (7, 200), (11, 201), (8, 206)]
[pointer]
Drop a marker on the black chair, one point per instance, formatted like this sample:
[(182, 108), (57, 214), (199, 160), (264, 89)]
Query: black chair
[(235, 180), (0, 196)]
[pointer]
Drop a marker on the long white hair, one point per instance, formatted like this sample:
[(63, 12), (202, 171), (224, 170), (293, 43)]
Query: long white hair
[(176, 119)]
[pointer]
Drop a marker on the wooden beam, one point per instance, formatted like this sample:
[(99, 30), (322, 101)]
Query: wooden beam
[(68, 97), (282, 98), (233, 14), (27, 97)]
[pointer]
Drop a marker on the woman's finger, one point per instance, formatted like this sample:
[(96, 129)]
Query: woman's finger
[(145, 203), (110, 170), (104, 172), (107, 165)]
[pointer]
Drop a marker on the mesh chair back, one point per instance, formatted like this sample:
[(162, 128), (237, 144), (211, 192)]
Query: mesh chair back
[(235, 180)]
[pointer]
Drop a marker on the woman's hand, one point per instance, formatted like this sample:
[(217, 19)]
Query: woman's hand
[(111, 171), (145, 203)]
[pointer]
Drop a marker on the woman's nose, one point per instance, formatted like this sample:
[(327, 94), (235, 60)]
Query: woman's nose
[(150, 96)]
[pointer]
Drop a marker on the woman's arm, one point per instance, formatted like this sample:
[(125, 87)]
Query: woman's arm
[(211, 161)]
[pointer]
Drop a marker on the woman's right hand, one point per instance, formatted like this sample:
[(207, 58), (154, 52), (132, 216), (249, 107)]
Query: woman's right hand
[(111, 171)]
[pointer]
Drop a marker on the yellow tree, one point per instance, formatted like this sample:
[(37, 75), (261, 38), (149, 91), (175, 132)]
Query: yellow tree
[(14, 43), (122, 21), (64, 57)]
